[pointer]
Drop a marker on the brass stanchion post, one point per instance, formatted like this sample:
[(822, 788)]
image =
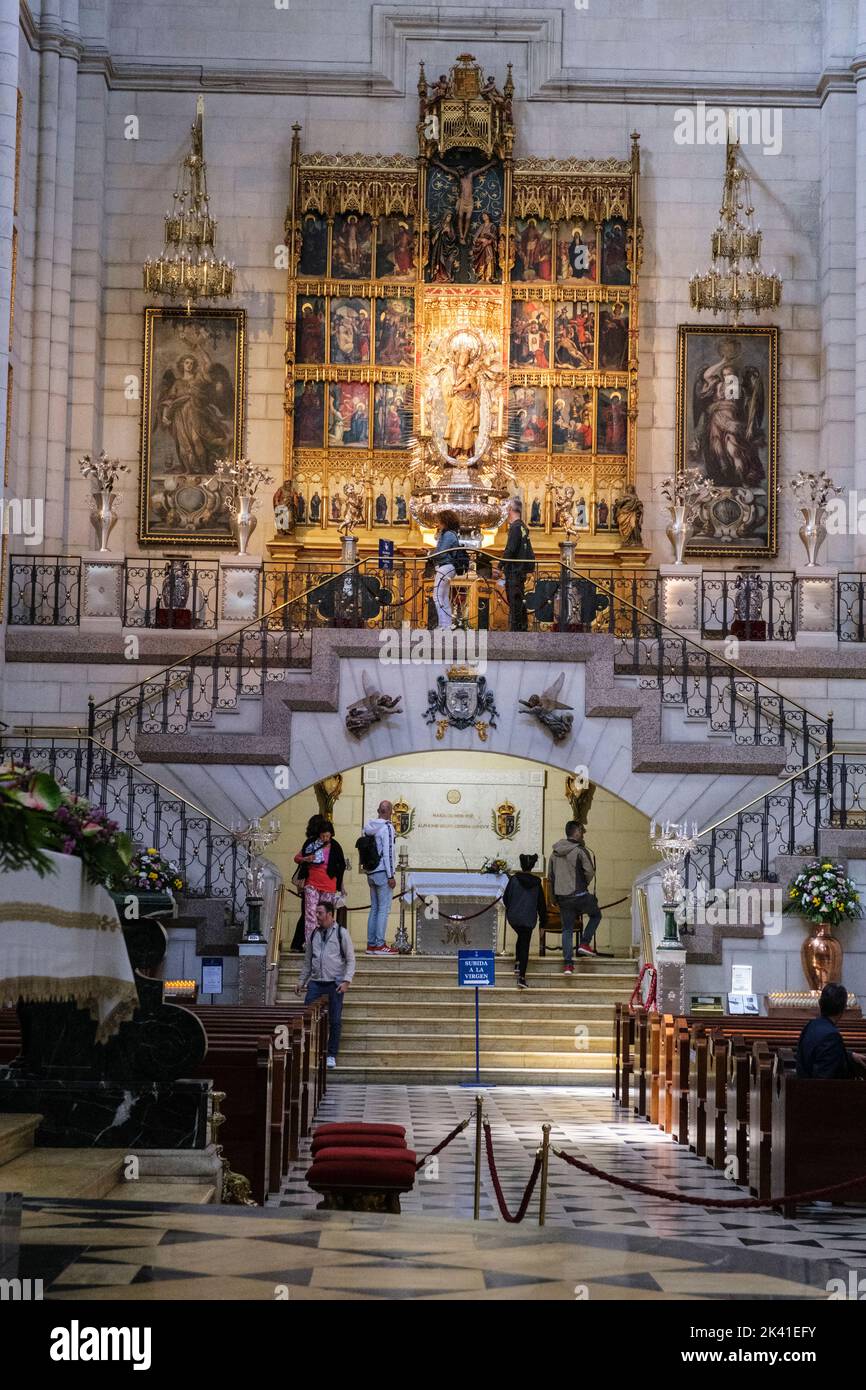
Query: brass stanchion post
[(545, 1164), (476, 1210)]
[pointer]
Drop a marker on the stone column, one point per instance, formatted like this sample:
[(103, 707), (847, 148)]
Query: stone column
[(859, 68), (9, 23), (43, 433)]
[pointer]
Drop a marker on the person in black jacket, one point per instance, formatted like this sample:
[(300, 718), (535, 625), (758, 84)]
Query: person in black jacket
[(524, 906), (515, 566), (821, 1053)]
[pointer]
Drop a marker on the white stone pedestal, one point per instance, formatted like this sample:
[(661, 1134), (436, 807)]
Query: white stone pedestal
[(101, 591), (816, 607), (252, 972), (680, 598), (240, 582)]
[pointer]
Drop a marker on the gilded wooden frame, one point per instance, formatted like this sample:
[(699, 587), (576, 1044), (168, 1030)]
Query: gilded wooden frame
[(226, 365), (685, 429)]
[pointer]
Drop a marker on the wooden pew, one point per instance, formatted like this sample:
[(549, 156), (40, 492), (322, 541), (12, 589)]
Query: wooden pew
[(244, 1070), (818, 1130)]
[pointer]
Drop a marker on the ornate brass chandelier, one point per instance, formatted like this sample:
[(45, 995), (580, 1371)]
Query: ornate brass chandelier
[(735, 283), (188, 269)]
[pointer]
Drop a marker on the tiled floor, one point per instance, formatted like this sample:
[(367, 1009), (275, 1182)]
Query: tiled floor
[(586, 1122), (600, 1242)]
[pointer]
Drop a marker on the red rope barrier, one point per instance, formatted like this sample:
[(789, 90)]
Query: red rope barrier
[(728, 1203), (497, 1187), (458, 1129), (637, 992)]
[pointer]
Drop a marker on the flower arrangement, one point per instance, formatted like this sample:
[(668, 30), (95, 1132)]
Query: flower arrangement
[(27, 800), (823, 893), (494, 866), (150, 872), (813, 489), (689, 489), (245, 476), (104, 471), (37, 813)]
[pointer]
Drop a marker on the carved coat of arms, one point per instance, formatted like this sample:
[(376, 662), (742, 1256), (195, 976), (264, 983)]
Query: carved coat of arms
[(505, 821), (461, 700), (402, 817)]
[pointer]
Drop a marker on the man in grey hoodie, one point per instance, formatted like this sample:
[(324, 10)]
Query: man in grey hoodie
[(572, 870), (381, 880)]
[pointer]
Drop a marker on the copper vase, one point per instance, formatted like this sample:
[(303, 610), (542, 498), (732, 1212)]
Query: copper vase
[(821, 954)]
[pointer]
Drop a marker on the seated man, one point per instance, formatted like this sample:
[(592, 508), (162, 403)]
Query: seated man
[(821, 1053)]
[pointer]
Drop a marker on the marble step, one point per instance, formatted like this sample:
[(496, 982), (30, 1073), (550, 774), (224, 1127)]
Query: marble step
[(441, 1055), (447, 965), (399, 1075), (500, 1008), (562, 995), (186, 1193), (373, 1040), (371, 1023), (84, 1173), (17, 1135)]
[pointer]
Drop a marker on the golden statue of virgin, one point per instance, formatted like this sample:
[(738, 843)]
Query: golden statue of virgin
[(463, 404)]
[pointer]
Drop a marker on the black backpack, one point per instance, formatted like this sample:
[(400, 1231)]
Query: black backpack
[(368, 853), (460, 560)]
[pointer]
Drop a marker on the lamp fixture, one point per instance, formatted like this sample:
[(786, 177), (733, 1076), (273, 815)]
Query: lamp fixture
[(187, 268), (735, 283)]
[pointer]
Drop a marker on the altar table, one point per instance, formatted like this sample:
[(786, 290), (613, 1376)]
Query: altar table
[(448, 894)]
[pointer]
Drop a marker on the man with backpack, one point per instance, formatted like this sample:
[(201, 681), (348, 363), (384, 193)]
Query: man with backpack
[(572, 870), (515, 566), (328, 970), (376, 857)]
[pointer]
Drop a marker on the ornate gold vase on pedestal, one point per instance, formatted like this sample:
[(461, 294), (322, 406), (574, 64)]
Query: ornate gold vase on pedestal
[(821, 954)]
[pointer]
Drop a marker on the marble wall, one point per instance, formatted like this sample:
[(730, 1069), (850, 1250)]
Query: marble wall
[(584, 79)]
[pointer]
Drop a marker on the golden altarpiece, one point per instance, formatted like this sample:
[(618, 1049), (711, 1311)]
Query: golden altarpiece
[(461, 327)]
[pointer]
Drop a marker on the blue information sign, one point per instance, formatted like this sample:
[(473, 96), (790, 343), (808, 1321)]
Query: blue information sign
[(386, 555), (476, 969)]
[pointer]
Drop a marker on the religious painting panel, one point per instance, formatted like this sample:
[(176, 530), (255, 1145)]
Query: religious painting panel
[(465, 206), (315, 490), (348, 414), (530, 333), (574, 334), (314, 245), (309, 426), (310, 330), (528, 419), (533, 246), (577, 251), (727, 427), (192, 416), (352, 247), (395, 332), (613, 337), (381, 504), (571, 428), (612, 426), (350, 331), (604, 510), (392, 416), (614, 252), (534, 505), (395, 249)]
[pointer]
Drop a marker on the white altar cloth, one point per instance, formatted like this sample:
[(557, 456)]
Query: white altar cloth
[(445, 884), (61, 939)]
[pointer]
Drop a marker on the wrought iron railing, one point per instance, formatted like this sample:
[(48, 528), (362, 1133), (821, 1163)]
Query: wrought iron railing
[(45, 590), (175, 593), (851, 607), (212, 862), (828, 794), (756, 606)]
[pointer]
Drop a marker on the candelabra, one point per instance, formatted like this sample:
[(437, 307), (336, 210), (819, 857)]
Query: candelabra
[(187, 268), (255, 838), (401, 940), (674, 843), (729, 286)]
